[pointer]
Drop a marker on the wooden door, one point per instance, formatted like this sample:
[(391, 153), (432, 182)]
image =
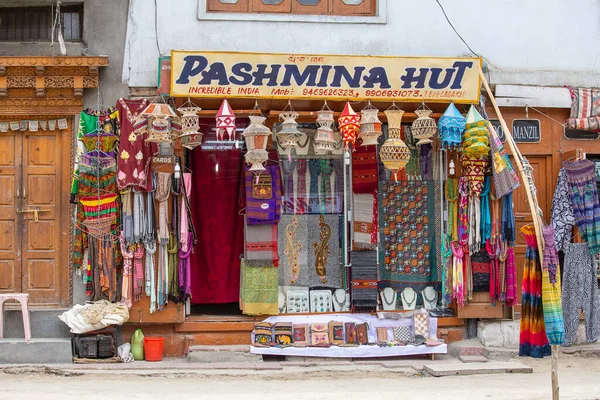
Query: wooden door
[(542, 175), (34, 175)]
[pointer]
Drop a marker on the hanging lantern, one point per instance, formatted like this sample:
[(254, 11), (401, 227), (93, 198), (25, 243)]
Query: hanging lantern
[(424, 127), (474, 170), (324, 139), (289, 136), (394, 153), (158, 116), (225, 121), (370, 125), (256, 136), (476, 139), (451, 126), (349, 125), (189, 120)]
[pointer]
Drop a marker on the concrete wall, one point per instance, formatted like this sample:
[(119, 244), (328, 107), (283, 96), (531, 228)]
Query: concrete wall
[(518, 39)]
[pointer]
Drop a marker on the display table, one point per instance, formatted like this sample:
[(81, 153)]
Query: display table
[(363, 351)]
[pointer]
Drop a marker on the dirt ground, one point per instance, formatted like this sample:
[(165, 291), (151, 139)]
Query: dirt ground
[(579, 379)]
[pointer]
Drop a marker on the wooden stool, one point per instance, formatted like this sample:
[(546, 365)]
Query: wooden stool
[(22, 298)]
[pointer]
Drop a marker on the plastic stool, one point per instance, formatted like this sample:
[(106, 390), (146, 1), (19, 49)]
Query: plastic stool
[(22, 298)]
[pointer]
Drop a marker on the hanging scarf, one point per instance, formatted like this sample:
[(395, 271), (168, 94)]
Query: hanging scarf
[(493, 250), (452, 197), (176, 190), (126, 287), (463, 215), (338, 166), (162, 279), (314, 167), (496, 217), (150, 275), (486, 218), (502, 267), (458, 289), (173, 250), (425, 162), (163, 189), (185, 215), (301, 203), (326, 198), (127, 216), (150, 216), (468, 272), (139, 217), (447, 289), (508, 220), (288, 167), (511, 278), (138, 272), (185, 281)]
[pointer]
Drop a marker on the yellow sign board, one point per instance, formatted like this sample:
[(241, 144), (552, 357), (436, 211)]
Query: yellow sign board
[(332, 77)]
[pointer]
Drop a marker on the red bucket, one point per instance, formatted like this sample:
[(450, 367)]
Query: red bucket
[(153, 348)]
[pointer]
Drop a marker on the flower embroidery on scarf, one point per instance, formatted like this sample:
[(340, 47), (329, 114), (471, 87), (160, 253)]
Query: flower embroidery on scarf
[(139, 157), (132, 137), (124, 155), (122, 176), (135, 173), (142, 177)]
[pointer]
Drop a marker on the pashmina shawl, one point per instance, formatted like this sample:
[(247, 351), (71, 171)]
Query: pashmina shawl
[(263, 211), (551, 290), (364, 169), (163, 190)]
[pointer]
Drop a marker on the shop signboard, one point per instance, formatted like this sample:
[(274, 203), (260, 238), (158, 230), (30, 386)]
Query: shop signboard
[(526, 130), (332, 77), (498, 128), (164, 75)]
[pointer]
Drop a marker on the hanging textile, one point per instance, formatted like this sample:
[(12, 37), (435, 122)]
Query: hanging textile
[(585, 109), (463, 211), (448, 261), (502, 256), (364, 292), (173, 263), (138, 272), (425, 161), (258, 288), (135, 154), (583, 193), (365, 231), (127, 284), (314, 168), (327, 199), (288, 167), (364, 169), (508, 220), (163, 190), (486, 216), (215, 262), (150, 235), (493, 250), (458, 276), (338, 166), (176, 191), (261, 242), (127, 216), (480, 266), (562, 218), (185, 288), (551, 297), (451, 193), (310, 250), (511, 278), (139, 217), (580, 292), (301, 203), (150, 274), (533, 341), (505, 177), (186, 216), (408, 237), (263, 202)]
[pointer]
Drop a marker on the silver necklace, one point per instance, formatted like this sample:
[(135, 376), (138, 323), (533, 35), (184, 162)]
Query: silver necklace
[(339, 303), (409, 304), (389, 303), (428, 300)]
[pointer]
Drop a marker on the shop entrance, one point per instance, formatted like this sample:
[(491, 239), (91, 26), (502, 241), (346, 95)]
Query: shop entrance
[(34, 177)]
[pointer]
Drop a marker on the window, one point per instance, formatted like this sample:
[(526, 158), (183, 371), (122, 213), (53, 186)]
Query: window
[(33, 24), (315, 7)]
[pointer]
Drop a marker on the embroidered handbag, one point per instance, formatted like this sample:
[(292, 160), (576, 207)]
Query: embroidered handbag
[(283, 333), (336, 333), (421, 324), (262, 188), (402, 334), (382, 334), (351, 333), (300, 335), (319, 335), (362, 333), (263, 333)]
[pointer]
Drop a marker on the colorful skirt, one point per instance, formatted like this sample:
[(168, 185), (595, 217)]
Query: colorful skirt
[(533, 341)]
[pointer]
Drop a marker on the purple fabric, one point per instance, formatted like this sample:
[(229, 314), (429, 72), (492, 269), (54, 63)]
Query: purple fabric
[(185, 281), (267, 211)]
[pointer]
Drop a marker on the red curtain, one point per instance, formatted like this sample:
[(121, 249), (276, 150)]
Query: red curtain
[(215, 263)]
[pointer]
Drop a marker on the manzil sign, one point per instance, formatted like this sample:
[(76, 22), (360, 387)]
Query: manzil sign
[(333, 77)]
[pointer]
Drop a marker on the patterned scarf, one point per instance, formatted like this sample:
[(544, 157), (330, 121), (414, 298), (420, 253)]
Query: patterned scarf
[(301, 203), (185, 280), (126, 288), (448, 260), (551, 290), (173, 262), (176, 190), (458, 288), (184, 240), (163, 190), (150, 216), (127, 213), (314, 167), (288, 167), (139, 217), (150, 275), (486, 218), (508, 220), (326, 197), (338, 166), (493, 250), (138, 272), (463, 215), (511, 278), (452, 197), (502, 268)]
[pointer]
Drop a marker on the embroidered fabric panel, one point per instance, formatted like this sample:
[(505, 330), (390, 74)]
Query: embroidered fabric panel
[(407, 236), (309, 250), (258, 288), (261, 242)]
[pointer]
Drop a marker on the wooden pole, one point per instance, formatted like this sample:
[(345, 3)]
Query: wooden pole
[(533, 205)]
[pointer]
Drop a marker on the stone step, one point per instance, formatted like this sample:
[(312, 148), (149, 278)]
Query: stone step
[(467, 347), (451, 369), (44, 324), (37, 351), (221, 354), (473, 359)]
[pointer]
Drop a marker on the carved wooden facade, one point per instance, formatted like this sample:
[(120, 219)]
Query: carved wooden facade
[(46, 85)]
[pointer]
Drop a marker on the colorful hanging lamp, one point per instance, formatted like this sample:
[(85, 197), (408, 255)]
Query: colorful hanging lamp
[(349, 125), (325, 138), (474, 170), (256, 136), (394, 154), (225, 121), (189, 120), (370, 125), (156, 116), (476, 140), (451, 126), (424, 127), (289, 136)]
